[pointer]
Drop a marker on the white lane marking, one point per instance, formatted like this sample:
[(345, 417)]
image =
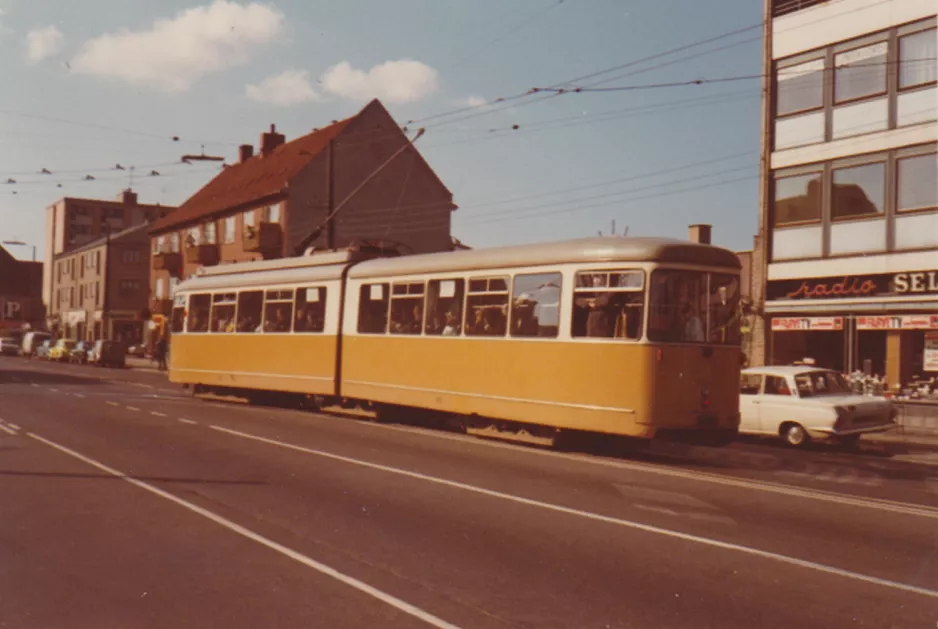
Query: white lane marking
[(187, 421), (140, 384), (157, 413), (54, 390), (13, 426), (79, 395), (361, 586), (132, 408), (113, 403), (33, 384), (7, 430), (705, 541)]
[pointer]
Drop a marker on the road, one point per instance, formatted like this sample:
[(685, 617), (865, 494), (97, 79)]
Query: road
[(125, 502)]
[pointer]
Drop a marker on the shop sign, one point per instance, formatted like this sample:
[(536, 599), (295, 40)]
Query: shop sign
[(930, 358), (899, 322), (853, 286), (807, 324)]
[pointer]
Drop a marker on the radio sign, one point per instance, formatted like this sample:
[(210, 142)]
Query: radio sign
[(855, 286), (807, 324)]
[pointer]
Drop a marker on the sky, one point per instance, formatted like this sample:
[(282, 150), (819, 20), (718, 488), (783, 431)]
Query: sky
[(97, 84)]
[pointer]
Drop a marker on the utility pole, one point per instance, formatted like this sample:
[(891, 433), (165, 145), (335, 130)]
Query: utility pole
[(107, 283), (330, 217)]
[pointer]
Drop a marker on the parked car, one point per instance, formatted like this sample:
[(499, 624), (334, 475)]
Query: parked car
[(32, 342), (799, 403), (79, 353), (61, 350), (9, 346), (108, 354)]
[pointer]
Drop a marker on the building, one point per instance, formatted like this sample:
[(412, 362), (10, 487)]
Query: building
[(102, 288), (277, 203), (20, 292), (850, 198), (73, 222)]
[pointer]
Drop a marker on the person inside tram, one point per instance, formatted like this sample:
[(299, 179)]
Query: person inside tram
[(693, 327), (452, 324)]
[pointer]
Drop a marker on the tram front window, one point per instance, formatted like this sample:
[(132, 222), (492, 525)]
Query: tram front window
[(694, 307)]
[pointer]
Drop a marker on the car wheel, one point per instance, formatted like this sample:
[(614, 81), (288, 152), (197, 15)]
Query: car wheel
[(795, 435)]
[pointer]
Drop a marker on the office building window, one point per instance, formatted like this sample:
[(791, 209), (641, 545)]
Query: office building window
[(918, 59), (801, 87), (917, 182), (858, 191), (797, 199), (860, 72)]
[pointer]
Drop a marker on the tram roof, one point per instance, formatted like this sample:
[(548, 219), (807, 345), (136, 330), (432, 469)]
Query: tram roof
[(583, 250), (252, 278)]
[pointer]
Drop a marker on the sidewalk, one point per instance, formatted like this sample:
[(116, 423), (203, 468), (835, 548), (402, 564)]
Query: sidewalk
[(141, 364), (919, 438)]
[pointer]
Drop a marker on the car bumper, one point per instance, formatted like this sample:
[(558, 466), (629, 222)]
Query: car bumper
[(827, 433)]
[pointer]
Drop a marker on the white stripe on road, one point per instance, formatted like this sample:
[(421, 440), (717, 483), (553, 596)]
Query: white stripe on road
[(705, 541), (13, 426), (34, 384), (113, 403), (158, 414), (187, 421), (7, 430), (361, 586), (79, 395), (55, 390), (132, 408)]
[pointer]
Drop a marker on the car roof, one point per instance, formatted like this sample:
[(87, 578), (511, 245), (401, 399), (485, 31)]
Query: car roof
[(784, 370)]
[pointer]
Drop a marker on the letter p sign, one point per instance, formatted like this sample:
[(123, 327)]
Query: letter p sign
[(11, 310)]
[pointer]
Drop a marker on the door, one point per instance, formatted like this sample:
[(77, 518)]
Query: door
[(776, 404), (750, 387)]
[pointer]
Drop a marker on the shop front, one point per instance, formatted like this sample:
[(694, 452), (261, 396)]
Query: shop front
[(884, 325)]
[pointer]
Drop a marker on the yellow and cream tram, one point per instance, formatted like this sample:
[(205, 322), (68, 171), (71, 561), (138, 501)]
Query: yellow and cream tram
[(637, 337)]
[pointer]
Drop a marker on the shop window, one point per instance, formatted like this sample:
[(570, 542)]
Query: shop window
[(749, 383), (858, 191), (444, 307), (917, 59), (535, 304), (373, 300), (608, 304), (407, 308), (223, 312), (860, 73), (310, 309), (797, 199), (199, 310), (487, 307), (775, 385), (918, 182), (800, 87), (278, 310), (178, 320), (250, 305)]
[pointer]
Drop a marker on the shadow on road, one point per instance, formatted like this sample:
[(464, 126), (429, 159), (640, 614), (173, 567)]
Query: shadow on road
[(28, 376), (152, 479)]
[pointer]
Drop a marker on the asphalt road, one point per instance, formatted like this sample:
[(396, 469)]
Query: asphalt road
[(126, 503)]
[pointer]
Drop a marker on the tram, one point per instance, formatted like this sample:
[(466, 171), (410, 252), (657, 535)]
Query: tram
[(635, 337)]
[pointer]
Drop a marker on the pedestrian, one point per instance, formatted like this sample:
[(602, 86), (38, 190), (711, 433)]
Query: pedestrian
[(161, 349)]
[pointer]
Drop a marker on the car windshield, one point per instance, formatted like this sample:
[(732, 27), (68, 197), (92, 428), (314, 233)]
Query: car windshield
[(814, 383)]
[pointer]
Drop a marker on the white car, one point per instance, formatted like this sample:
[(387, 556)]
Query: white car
[(800, 403)]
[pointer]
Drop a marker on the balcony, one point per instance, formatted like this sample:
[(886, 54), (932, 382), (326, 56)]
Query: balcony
[(161, 307), (784, 7), (168, 261), (265, 238), (203, 255)]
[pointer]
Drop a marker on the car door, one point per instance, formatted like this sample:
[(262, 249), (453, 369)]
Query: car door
[(775, 404), (750, 389)]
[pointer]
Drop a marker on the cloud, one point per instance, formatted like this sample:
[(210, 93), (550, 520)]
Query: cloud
[(403, 81), (175, 53), (42, 43), (291, 87)]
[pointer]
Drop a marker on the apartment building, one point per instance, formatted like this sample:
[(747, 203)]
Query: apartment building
[(849, 222), (277, 203), (102, 288), (74, 222)]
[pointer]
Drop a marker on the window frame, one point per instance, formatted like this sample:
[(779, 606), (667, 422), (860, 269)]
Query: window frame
[(277, 298), (877, 40), (793, 62), (899, 158), (922, 28), (791, 174), (579, 290), (323, 292), (460, 286), (224, 299), (837, 165), (386, 297), (513, 297), (488, 283), (408, 296)]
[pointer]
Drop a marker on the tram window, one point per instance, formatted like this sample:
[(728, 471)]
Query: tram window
[(535, 304), (310, 309), (487, 307), (407, 308), (178, 319), (199, 308), (444, 307), (609, 304), (724, 309), (278, 310), (678, 306), (373, 303), (223, 312), (249, 310)]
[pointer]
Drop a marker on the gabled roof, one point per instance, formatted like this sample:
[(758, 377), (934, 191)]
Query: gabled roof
[(257, 178)]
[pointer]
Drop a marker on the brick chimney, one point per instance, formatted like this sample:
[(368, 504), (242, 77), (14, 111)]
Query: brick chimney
[(245, 152), (271, 140), (700, 233), (128, 197)]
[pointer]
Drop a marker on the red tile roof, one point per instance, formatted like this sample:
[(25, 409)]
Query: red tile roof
[(259, 177)]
